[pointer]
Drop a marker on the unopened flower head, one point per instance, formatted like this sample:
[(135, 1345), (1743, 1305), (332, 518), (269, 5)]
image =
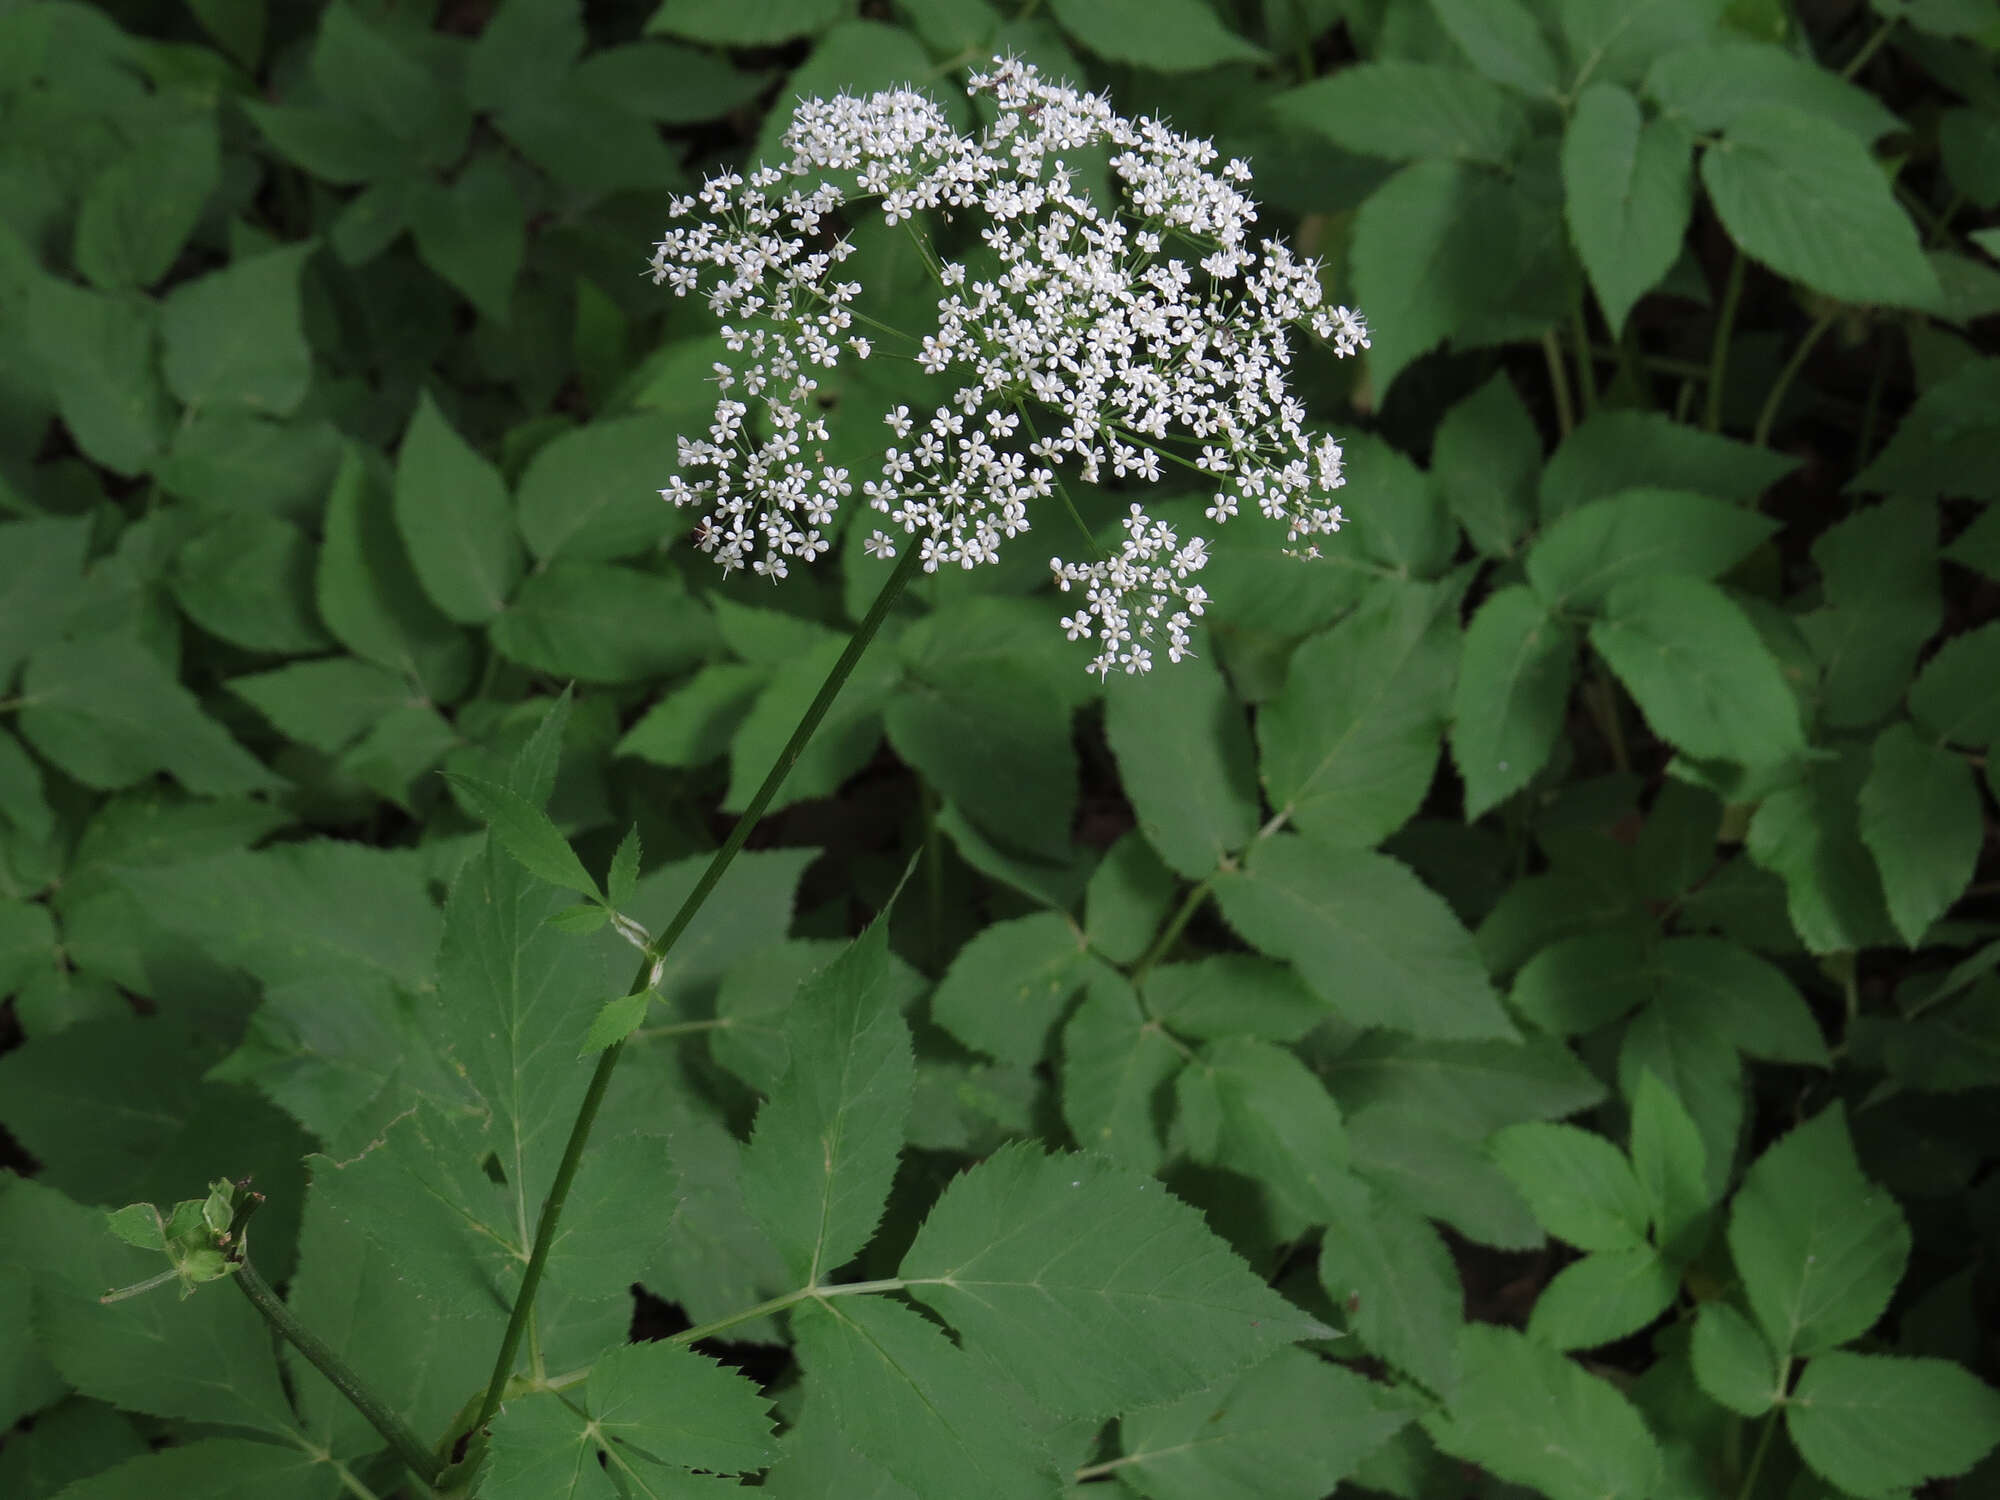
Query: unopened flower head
[(1121, 344)]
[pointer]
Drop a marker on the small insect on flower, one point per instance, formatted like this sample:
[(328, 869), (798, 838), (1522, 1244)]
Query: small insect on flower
[(1115, 339)]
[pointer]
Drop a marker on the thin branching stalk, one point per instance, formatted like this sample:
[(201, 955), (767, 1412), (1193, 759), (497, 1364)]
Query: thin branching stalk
[(1725, 329)]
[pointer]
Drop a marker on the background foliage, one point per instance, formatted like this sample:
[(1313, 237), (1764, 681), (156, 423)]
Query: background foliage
[(1553, 940)]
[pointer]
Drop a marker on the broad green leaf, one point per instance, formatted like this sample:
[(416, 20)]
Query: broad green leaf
[(1810, 834), (1233, 994), (336, 145), (1288, 1430), (1874, 1424), (1372, 940), (473, 234), (41, 576), (236, 337), (1940, 449), (908, 1398), (1167, 36), (1732, 1363), (1957, 696), (1708, 87), (1044, 1263), (693, 724), (1969, 143), (528, 834), (1819, 1246), (1628, 190), (1579, 1185), (1603, 1298), (1185, 761), (1920, 818), (300, 911), (97, 352), (1407, 110), (1504, 40), (238, 462), (1615, 449), (593, 495), (216, 1468), (755, 24), (1514, 678), (1814, 206), (1744, 997), (1117, 1074), (1409, 532), (1879, 576), (369, 596), (1671, 1164), (540, 1449), (1349, 747), (1698, 669), (1256, 1109), (1581, 558), (249, 581), (1530, 1416), (1440, 1175), (1127, 899), (70, 1441), (1468, 1088), (1577, 984), (328, 703), (668, 1405), (678, 85), (1007, 988), (109, 714), (452, 512), (138, 214), (364, 72), (598, 622), (824, 1151), (750, 908), (1695, 1061), (1485, 459), (993, 741), (1393, 1277), (1619, 39)]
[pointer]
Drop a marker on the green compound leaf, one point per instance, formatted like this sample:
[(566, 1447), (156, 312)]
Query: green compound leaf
[(592, 495), (1812, 204), (824, 1151), (1290, 1429), (1528, 1415), (1579, 1185), (1819, 1247), (1698, 669), (1117, 1074), (1920, 818), (1504, 41), (1486, 458), (1233, 994), (110, 714), (249, 581), (1168, 36), (139, 213), (1393, 1276), (216, 1468), (1671, 1164), (1046, 1265), (473, 234), (757, 23), (1635, 533), (1409, 110), (1256, 1109), (598, 622), (1810, 835), (1942, 446), (327, 704), (668, 1405), (1957, 696), (452, 511), (1873, 1424), (97, 352), (1709, 86), (540, 1450), (906, 1397), (1513, 683), (41, 577), (1185, 761), (1628, 191), (1007, 987), (1374, 942), (1602, 1298), (236, 337), (528, 834), (1732, 1363), (1616, 449), (1350, 745)]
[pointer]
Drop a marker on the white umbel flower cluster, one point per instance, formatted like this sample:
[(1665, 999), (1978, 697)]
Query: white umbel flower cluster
[(1123, 343)]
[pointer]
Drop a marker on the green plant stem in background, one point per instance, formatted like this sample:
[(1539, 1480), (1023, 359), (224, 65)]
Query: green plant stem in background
[(607, 1062), (1769, 415), (1559, 383), (1764, 1439), (1725, 326), (1586, 382), (395, 1431)]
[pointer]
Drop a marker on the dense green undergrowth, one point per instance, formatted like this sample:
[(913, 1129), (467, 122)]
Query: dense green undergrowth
[(1519, 1012)]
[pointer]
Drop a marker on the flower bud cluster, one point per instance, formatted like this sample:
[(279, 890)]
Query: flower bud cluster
[(1118, 342)]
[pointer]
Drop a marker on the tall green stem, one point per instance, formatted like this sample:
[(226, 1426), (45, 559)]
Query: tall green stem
[(1718, 357), (1768, 417), (401, 1439), (607, 1061)]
